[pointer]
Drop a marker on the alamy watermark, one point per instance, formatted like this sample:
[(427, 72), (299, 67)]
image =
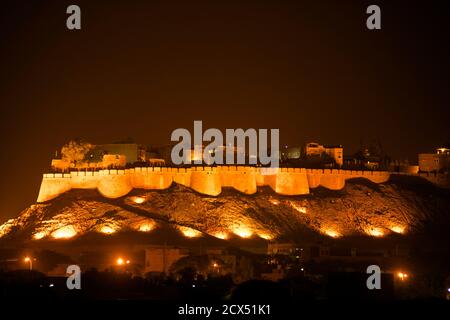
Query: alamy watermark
[(192, 151), (374, 280), (74, 279)]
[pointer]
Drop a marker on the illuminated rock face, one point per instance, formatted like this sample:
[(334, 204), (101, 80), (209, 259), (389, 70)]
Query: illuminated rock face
[(205, 180), (361, 208)]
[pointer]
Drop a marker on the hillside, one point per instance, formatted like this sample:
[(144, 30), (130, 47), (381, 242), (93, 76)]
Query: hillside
[(404, 205)]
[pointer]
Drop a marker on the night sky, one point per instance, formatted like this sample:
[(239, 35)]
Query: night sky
[(141, 69)]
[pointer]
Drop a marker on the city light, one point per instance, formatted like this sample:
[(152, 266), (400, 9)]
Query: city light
[(30, 261), (402, 276), (120, 261)]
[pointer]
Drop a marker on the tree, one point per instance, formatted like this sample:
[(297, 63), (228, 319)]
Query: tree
[(75, 151)]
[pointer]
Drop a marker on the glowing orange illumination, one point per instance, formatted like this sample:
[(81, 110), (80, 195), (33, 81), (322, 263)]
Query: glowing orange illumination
[(243, 232), (221, 235), (398, 229), (64, 232), (332, 233), (402, 276), (375, 232), (189, 232), (119, 261), (265, 236), (107, 230), (39, 235), (146, 227), (274, 202), (139, 200), (298, 208), (215, 265), (27, 259), (6, 227)]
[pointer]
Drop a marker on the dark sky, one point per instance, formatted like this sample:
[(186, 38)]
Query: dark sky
[(141, 69)]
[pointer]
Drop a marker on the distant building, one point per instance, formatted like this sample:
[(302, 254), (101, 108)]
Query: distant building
[(313, 149), (104, 156), (366, 159), (159, 259), (131, 151), (435, 162), (114, 160), (156, 162), (291, 153)]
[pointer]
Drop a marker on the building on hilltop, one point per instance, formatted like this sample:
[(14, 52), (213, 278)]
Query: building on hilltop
[(318, 151), (291, 153), (104, 156), (132, 151), (435, 162)]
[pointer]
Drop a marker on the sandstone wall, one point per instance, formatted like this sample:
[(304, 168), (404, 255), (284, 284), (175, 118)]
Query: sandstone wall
[(206, 180)]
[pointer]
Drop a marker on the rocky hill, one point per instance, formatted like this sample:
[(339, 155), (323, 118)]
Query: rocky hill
[(404, 205)]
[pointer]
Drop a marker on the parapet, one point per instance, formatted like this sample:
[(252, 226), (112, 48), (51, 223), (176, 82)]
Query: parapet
[(113, 183)]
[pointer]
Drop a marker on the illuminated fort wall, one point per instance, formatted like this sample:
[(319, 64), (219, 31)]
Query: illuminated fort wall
[(205, 180)]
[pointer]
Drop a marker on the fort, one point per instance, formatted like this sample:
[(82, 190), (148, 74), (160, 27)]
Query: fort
[(208, 180), (115, 169)]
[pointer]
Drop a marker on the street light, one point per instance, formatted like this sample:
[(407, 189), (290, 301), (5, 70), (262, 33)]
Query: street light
[(120, 261), (215, 265), (30, 261), (402, 276)]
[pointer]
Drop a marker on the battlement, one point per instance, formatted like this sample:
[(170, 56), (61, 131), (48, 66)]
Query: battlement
[(114, 183)]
